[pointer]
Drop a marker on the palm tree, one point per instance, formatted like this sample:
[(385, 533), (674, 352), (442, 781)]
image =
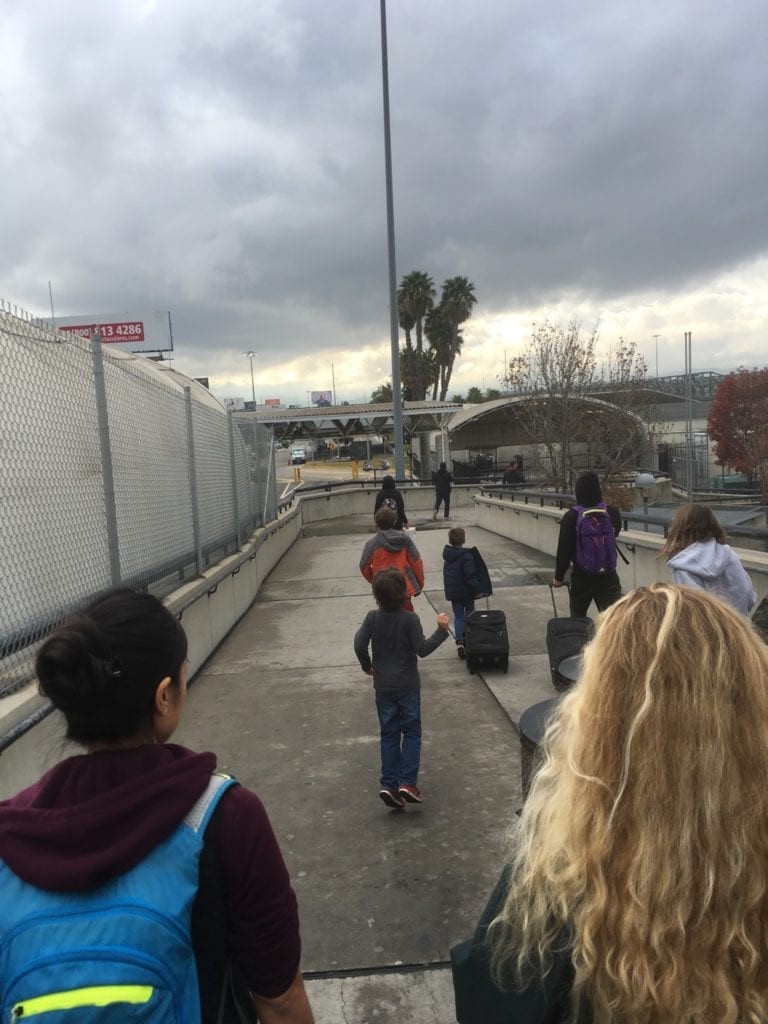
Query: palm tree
[(415, 297), (439, 331), (383, 394), (405, 320), (457, 300), (418, 370)]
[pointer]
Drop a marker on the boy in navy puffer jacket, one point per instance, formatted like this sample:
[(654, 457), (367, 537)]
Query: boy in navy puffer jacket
[(461, 582)]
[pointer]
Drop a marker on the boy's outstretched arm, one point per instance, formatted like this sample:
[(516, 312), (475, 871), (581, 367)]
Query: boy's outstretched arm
[(426, 645)]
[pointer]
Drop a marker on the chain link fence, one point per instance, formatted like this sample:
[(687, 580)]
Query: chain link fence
[(113, 470)]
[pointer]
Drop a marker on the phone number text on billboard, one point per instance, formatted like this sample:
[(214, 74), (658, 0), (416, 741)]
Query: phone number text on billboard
[(128, 331)]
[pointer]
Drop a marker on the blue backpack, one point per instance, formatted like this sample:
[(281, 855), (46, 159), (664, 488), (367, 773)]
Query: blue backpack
[(122, 952), (595, 540)]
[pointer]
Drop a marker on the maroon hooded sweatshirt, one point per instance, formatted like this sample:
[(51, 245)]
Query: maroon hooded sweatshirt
[(95, 816)]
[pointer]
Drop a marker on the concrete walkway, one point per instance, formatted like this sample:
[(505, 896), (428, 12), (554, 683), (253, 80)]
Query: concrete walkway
[(383, 894)]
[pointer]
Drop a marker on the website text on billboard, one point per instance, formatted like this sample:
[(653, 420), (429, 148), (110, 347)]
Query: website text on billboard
[(127, 331)]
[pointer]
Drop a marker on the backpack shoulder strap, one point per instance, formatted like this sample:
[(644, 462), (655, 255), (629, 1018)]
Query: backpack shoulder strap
[(224, 994), (198, 816)]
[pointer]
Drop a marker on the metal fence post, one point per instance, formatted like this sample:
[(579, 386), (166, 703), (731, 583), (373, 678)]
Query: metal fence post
[(193, 480), (107, 475), (233, 467), (258, 518), (270, 463)]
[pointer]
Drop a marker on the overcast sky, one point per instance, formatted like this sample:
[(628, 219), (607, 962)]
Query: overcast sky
[(224, 161)]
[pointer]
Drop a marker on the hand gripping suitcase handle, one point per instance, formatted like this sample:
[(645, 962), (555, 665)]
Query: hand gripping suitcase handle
[(552, 595)]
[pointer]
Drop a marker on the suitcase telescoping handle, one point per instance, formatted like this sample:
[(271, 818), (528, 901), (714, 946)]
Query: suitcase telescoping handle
[(552, 595)]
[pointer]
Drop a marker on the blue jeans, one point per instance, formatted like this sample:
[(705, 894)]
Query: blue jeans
[(443, 498), (461, 609), (400, 718)]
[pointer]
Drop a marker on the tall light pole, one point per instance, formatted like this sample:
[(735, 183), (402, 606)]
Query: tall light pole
[(657, 336), (251, 356), (394, 325), (689, 411)]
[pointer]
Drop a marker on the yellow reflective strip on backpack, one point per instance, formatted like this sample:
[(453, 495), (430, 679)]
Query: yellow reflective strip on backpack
[(77, 998)]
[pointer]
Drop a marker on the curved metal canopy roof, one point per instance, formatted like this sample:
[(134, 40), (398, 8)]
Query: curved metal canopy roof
[(350, 420)]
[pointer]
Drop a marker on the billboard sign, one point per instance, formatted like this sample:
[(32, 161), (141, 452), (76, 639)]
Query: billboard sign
[(321, 397), (142, 332), (273, 402)]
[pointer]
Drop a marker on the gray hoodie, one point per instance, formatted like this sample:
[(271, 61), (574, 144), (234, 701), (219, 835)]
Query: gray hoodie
[(716, 568)]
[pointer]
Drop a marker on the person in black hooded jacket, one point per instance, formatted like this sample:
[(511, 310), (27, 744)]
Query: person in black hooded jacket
[(443, 481), (389, 493), (585, 587)]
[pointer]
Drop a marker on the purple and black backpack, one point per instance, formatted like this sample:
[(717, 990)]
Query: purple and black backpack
[(595, 539)]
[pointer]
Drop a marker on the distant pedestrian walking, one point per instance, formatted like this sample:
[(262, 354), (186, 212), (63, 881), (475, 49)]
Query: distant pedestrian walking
[(397, 641), (512, 477), (443, 481), (698, 554)]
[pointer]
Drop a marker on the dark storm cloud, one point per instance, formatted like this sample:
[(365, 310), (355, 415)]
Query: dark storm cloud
[(226, 161)]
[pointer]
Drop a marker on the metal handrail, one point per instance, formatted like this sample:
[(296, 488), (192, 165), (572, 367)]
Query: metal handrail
[(561, 501)]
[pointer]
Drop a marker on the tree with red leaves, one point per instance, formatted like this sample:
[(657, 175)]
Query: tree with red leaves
[(738, 423)]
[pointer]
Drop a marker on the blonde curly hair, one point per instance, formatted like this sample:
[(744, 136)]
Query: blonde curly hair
[(643, 844)]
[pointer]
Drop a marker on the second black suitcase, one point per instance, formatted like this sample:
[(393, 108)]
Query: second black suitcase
[(566, 637), (486, 641)]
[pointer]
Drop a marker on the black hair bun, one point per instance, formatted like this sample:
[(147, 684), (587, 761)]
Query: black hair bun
[(74, 666)]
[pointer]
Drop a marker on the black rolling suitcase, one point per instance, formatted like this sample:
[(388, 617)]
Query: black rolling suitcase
[(485, 640), (566, 637)]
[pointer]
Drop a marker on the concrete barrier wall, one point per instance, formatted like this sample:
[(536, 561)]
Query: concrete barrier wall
[(340, 502), (209, 608), (540, 527)]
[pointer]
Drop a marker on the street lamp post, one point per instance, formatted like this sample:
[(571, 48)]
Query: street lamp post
[(251, 356), (394, 324), (645, 482), (657, 336)]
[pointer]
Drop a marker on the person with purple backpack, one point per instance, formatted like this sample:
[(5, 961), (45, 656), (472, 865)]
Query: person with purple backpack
[(587, 542)]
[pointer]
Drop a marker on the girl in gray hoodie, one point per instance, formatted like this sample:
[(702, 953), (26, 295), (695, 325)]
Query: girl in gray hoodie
[(698, 555)]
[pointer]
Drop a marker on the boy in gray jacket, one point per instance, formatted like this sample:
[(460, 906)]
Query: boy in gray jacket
[(397, 640)]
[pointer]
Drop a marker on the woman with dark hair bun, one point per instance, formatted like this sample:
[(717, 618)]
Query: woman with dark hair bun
[(118, 673)]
